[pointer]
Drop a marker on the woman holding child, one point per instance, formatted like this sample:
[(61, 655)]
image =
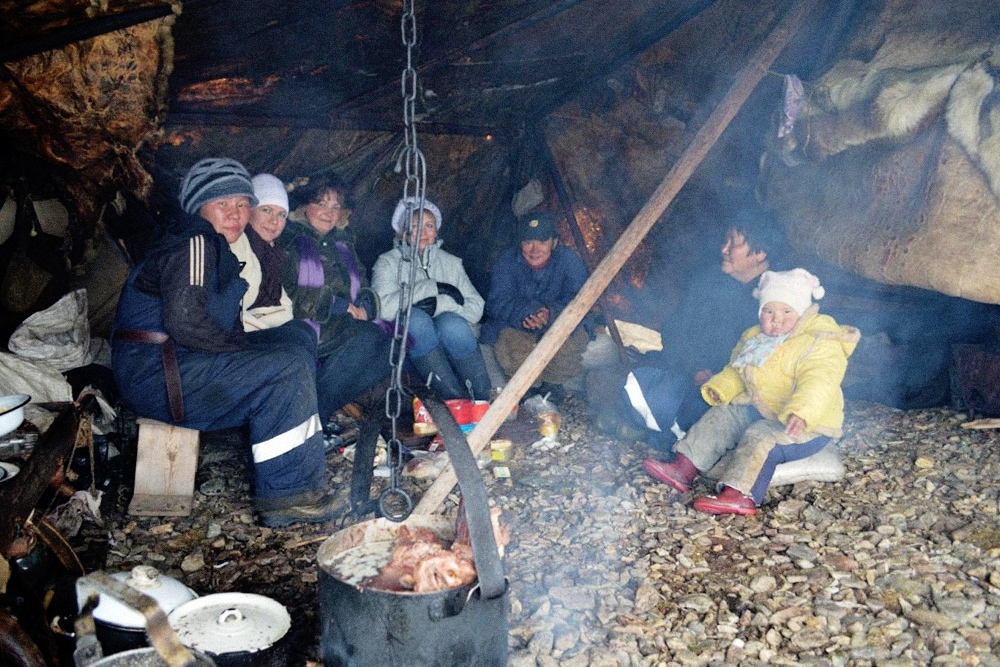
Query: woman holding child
[(778, 399)]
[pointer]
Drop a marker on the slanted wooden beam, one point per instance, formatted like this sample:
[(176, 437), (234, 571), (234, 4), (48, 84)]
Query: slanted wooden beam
[(748, 78)]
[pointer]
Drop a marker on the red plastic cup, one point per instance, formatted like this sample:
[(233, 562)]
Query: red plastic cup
[(479, 409), (461, 410)]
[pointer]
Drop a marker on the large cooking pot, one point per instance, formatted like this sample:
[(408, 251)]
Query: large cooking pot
[(121, 627), (167, 650), (465, 626), (235, 629)]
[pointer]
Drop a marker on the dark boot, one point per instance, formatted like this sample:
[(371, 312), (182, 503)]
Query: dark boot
[(678, 474), (371, 402), (472, 369), (276, 514), (435, 365), (730, 501), (362, 470)]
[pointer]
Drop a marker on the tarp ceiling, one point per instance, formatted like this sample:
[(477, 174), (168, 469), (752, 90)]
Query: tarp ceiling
[(327, 63), (294, 88)]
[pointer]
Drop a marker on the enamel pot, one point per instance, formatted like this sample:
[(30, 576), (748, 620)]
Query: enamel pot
[(166, 649), (121, 627), (235, 629), (460, 627)]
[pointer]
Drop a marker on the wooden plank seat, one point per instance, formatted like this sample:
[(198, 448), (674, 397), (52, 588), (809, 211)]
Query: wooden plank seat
[(165, 465)]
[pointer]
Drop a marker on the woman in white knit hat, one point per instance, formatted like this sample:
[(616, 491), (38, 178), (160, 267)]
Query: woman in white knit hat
[(777, 400), (266, 305), (445, 304)]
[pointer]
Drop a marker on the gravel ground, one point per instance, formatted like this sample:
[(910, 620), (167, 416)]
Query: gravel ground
[(898, 564)]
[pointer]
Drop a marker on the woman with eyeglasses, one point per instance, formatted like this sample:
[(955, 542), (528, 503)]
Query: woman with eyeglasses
[(328, 286)]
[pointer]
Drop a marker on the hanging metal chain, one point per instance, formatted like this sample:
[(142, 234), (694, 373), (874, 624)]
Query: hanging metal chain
[(394, 502)]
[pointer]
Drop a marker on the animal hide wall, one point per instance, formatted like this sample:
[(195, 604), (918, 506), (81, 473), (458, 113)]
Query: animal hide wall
[(84, 109), (892, 169)]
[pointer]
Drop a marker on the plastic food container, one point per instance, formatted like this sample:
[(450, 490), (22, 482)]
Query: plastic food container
[(500, 449)]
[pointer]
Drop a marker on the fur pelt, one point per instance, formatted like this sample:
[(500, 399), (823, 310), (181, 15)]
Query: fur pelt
[(852, 107), (973, 117), (914, 63)]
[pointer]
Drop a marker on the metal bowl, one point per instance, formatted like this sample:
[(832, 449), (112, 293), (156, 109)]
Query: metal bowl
[(12, 411)]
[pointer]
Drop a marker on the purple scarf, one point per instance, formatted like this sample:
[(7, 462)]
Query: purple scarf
[(311, 275), (352, 268), (310, 265), (310, 271)]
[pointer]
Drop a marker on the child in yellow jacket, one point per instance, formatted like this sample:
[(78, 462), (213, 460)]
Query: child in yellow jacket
[(777, 400)]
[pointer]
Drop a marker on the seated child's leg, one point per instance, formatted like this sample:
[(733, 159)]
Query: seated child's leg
[(717, 432), (655, 395), (762, 448)]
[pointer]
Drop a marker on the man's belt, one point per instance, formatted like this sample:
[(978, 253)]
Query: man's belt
[(171, 371)]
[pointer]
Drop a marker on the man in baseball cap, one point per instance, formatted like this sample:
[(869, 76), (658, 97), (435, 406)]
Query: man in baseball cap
[(531, 286)]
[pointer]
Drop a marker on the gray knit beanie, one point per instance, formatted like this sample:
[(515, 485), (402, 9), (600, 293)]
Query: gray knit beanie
[(214, 178)]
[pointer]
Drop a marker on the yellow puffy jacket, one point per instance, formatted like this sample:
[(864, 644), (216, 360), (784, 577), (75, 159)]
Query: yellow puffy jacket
[(801, 378)]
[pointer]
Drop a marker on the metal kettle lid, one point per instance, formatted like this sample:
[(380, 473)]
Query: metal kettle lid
[(167, 591), (230, 622)]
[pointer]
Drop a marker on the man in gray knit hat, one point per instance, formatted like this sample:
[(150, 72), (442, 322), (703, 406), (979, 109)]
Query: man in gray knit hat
[(180, 355)]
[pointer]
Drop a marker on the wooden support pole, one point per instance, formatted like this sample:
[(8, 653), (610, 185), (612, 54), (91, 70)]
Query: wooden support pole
[(746, 81)]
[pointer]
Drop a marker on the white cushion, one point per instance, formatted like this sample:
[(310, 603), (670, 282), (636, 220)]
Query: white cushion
[(823, 466)]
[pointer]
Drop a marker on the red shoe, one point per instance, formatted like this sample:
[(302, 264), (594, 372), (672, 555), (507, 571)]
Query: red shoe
[(678, 474), (730, 501)]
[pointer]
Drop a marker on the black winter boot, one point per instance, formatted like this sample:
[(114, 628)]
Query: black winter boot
[(444, 382), (473, 369), (372, 400)]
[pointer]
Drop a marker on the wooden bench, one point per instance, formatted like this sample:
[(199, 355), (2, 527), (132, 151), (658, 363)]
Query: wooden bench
[(165, 465)]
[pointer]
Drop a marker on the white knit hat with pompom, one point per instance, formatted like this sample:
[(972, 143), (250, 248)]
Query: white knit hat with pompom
[(797, 288)]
